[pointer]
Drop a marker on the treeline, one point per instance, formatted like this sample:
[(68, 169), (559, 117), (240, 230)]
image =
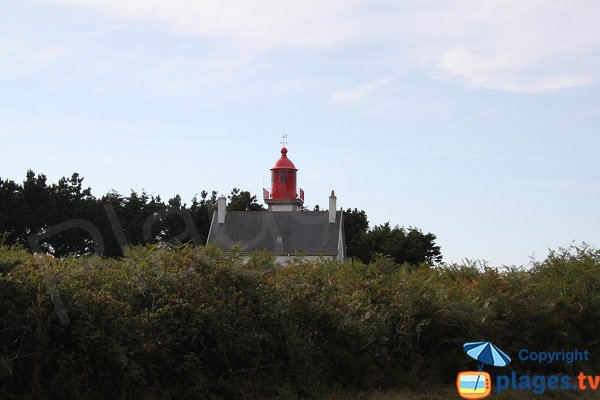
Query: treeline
[(192, 323), (65, 218)]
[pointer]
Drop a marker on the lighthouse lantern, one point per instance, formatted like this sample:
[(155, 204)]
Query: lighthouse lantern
[(284, 194)]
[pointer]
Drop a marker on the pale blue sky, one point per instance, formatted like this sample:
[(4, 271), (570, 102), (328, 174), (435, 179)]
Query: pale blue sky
[(476, 121)]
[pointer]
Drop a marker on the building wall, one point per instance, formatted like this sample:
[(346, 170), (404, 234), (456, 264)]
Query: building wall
[(341, 243), (284, 259), (340, 248), (283, 207)]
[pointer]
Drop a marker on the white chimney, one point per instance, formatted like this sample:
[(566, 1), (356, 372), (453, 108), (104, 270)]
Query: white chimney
[(332, 207), (221, 209)]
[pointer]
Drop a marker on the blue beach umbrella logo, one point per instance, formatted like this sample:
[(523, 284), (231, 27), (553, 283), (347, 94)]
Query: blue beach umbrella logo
[(474, 385), (486, 353)]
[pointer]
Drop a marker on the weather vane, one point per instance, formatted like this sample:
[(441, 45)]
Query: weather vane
[(284, 139)]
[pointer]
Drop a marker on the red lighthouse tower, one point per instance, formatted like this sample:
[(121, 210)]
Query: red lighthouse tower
[(283, 195)]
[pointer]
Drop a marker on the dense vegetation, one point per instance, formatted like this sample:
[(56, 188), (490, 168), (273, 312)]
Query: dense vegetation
[(65, 212), (188, 322)]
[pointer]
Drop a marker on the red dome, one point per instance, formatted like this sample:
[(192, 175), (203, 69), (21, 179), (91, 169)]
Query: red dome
[(284, 162)]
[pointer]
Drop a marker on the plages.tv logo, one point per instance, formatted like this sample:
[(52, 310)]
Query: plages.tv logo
[(478, 384)]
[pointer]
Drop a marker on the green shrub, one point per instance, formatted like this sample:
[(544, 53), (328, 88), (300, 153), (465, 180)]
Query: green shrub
[(193, 323)]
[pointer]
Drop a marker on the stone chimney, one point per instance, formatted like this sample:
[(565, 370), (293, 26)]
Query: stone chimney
[(332, 206), (221, 209)]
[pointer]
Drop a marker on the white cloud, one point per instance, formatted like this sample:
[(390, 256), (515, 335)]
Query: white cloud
[(259, 23), (498, 72), (18, 57), (360, 93), (188, 72), (529, 46)]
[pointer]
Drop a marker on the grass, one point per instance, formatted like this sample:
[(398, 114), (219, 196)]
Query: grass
[(450, 393)]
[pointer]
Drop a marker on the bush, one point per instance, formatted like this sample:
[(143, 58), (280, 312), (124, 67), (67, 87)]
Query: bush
[(192, 323)]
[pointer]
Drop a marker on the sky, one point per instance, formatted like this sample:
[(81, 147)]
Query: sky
[(473, 120)]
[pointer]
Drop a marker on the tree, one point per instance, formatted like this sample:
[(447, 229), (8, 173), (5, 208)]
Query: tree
[(403, 245), (356, 226), (202, 212), (12, 217), (35, 206), (243, 201), (70, 200)]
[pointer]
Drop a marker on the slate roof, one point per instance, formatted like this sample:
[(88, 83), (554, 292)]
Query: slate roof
[(282, 233)]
